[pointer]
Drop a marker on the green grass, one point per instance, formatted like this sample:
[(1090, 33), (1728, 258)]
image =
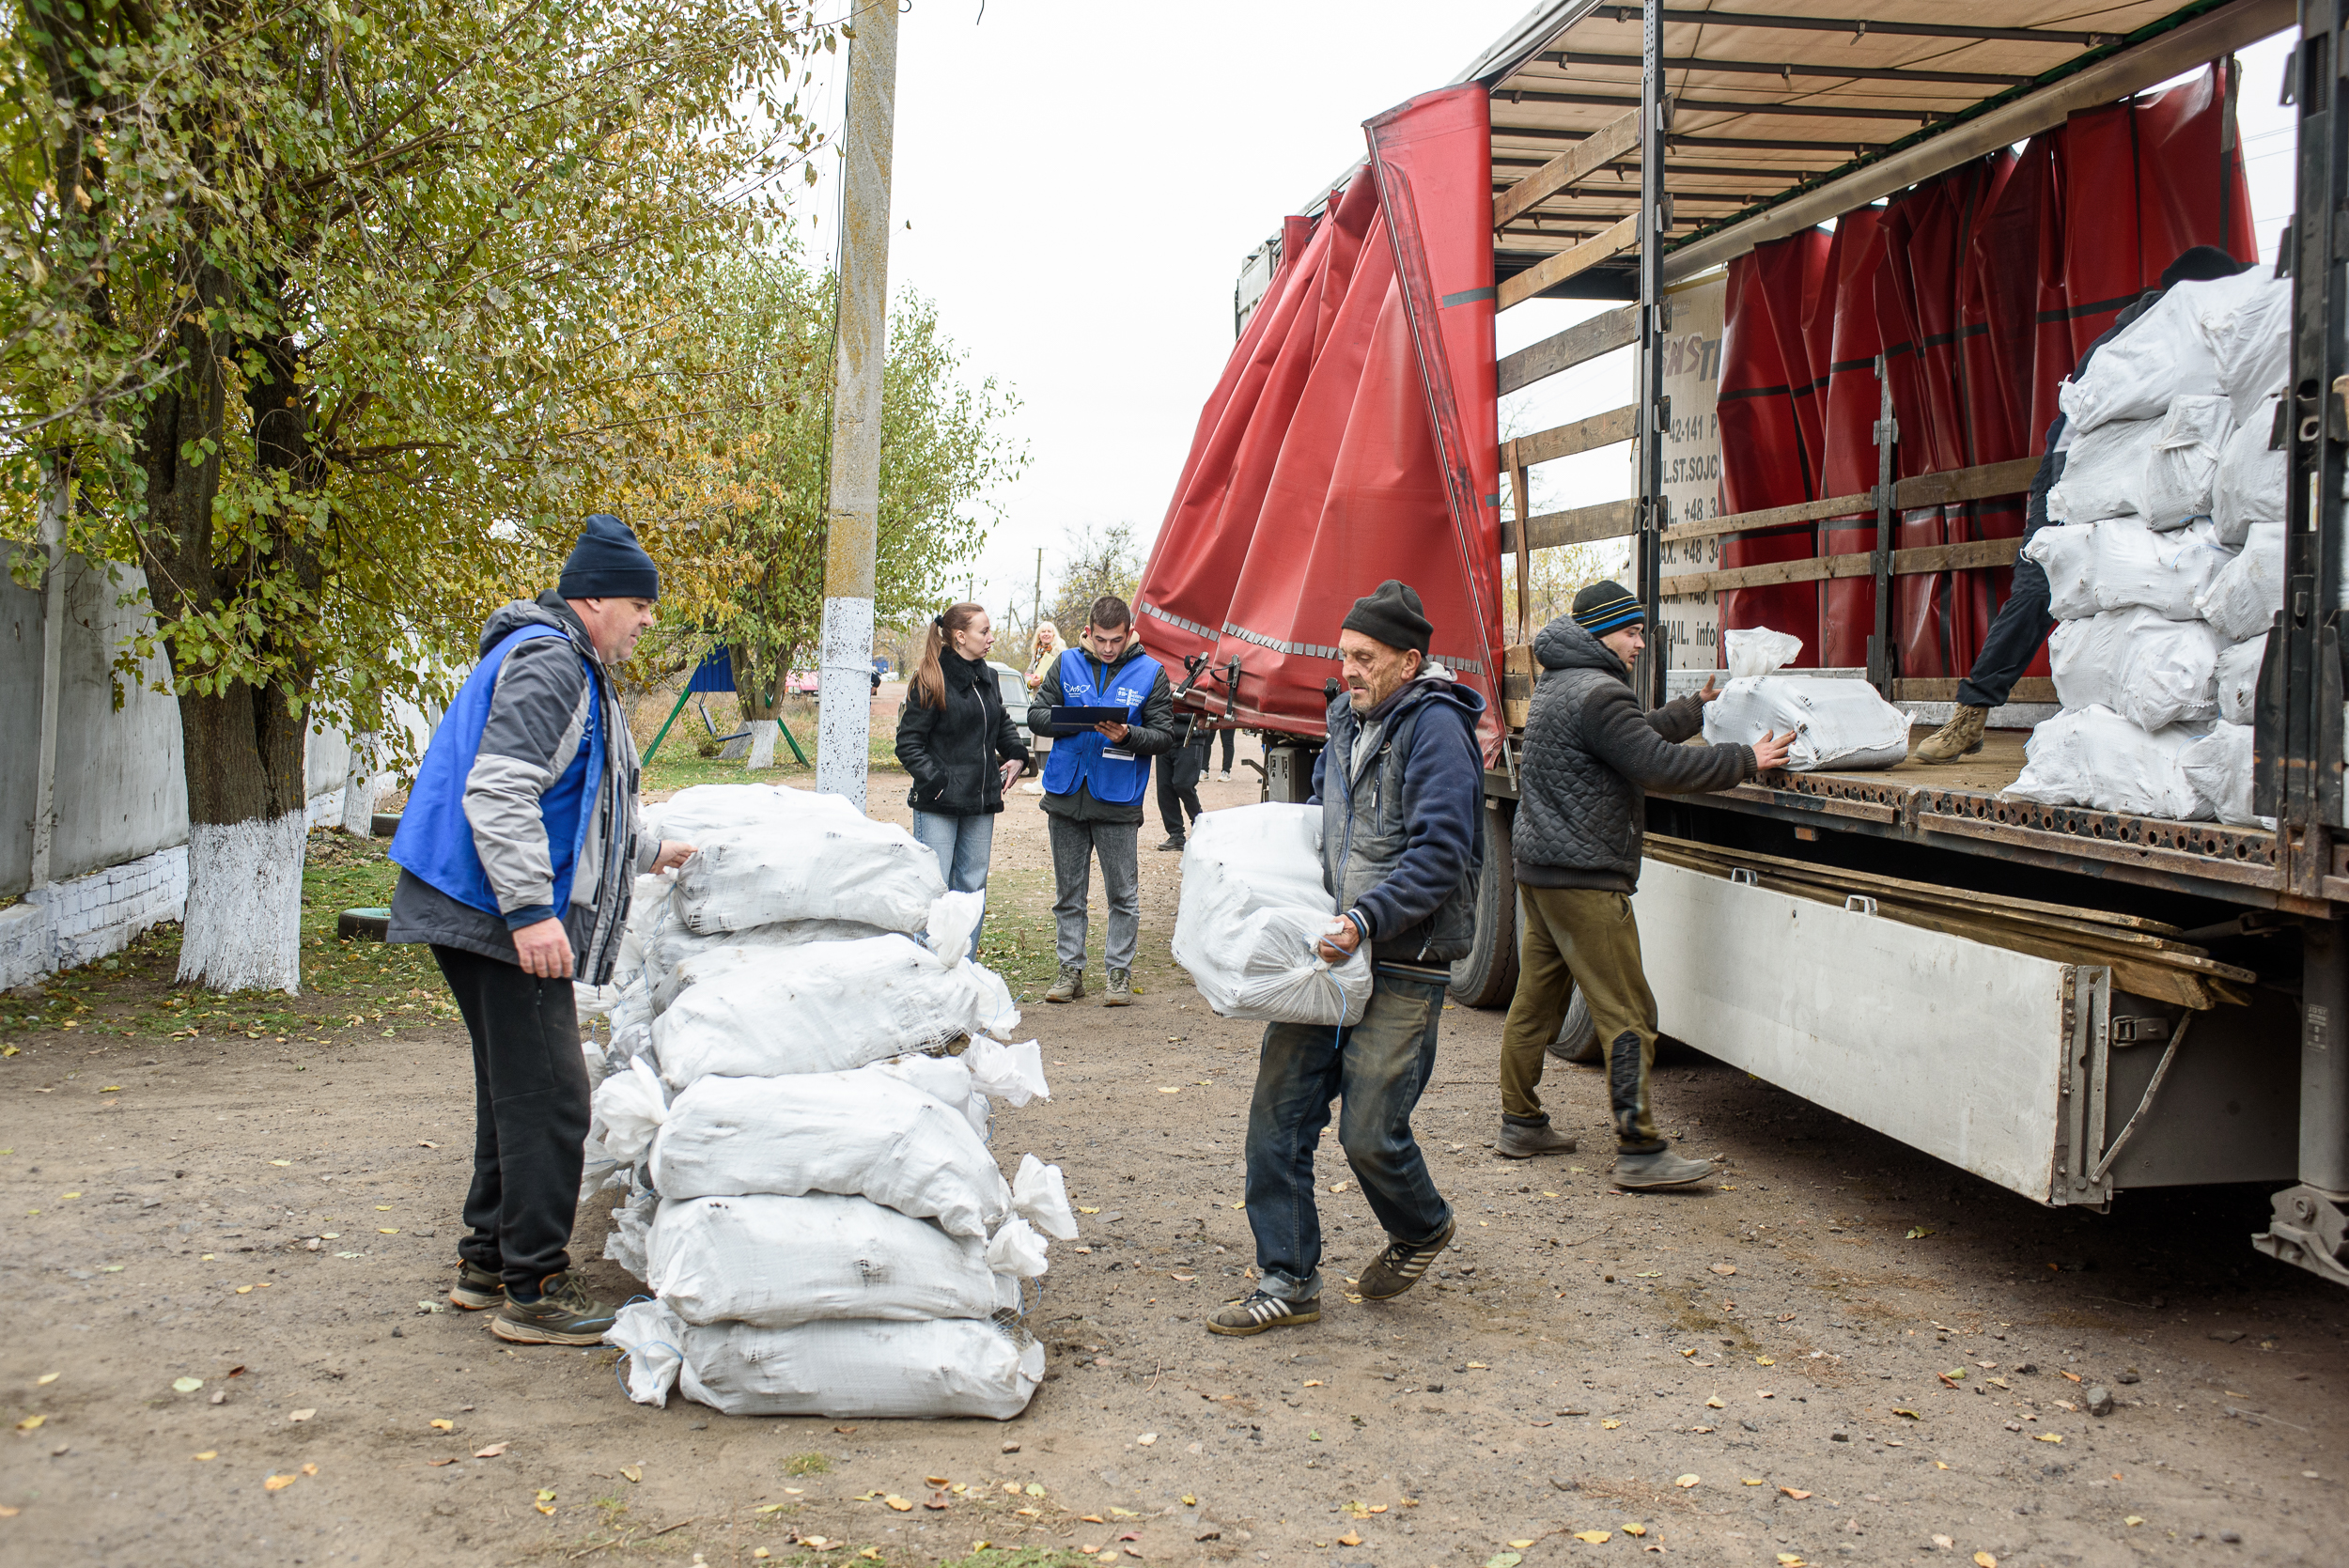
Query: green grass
[(1022, 1556), (678, 767)]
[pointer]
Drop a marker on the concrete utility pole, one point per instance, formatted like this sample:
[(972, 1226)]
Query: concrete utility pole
[(56, 492), (844, 725)]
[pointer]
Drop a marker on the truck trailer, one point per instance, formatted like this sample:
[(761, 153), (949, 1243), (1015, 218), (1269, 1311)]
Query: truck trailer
[(1857, 246)]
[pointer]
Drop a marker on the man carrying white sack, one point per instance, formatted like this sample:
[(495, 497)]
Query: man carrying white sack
[(516, 853), (2023, 622), (1400, 784), (1591, 756)]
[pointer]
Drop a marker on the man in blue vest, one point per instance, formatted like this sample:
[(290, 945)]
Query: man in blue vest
[(518, 851), (1094, 782)]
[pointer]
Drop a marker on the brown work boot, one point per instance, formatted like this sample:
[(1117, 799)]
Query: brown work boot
[(1960, 738), (1523, 1137)]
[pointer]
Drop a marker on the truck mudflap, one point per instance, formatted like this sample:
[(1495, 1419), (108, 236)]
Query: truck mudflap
[(2029, 1073)]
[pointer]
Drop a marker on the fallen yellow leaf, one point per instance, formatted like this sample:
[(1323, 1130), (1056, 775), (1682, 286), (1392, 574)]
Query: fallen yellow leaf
[(1714, 1403), (31, 1423), (309, 1470), (546, 1494), (1478, 1366), (897, 1504), (2049, 1437), (1635, 1528), (281, 1162), (1610, 1425), (444, 1426), (634, 1475), (1765, 1362), (48, 1377), (207, 1454), (1788, 1559), (1520, 1546), (1312, 1382), (1724, 1268), (299, 1415), (244, 1290), (1595, 1537), (387, 1229), (1751, 1480), (279, 1483), (1081, 1209), (1190, 1501), (1349, 1539), (2133, 1521), (1684, 1480), (546, 1508), (1984, 1559), (1910, 1414), (1795, 1492)]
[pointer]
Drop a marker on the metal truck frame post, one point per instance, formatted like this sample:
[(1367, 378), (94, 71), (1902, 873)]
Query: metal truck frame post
[(1655, 412), (2300, 695)]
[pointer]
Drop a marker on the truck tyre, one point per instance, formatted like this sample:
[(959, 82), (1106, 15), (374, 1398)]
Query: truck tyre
[(1487, 977), (1577, 1038)]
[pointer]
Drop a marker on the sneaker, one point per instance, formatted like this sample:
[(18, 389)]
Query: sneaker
[(476, 1289), (1399, 1267), (1660, 1169), (1261, 1311), (1175, 842), (1070, 987), (1121, 989), (1523, 1138), (564, 1313), (1224, 776)]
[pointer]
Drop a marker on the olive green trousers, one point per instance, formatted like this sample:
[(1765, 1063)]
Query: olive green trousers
[(1582, 936)]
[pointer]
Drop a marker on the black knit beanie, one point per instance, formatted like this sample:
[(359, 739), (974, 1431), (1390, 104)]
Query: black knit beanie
[(2202, 264), (1391, 614), (1604, 607), (607, 563)]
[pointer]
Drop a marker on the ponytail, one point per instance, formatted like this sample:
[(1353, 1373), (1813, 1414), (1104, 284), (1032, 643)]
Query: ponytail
[(930, 676)]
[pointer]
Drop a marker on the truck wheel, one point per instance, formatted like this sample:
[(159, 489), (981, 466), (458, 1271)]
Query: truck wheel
[(1577, 1038), (1487, 977)]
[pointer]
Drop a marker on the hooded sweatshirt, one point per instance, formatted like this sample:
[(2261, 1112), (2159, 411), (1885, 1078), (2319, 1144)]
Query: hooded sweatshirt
[(1401, 789), (1590, 758)]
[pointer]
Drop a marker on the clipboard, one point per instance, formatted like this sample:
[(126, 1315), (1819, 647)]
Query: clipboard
[(1073, 719)]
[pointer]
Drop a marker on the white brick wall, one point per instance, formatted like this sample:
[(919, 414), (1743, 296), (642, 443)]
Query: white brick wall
[(73, 922)]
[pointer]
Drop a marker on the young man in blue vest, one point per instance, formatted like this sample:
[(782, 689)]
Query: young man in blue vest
[(1401, 787), (1094, 782), (518, 851)]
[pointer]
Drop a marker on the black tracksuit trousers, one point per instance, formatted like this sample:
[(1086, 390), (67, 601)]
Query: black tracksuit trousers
[(530, 1116)]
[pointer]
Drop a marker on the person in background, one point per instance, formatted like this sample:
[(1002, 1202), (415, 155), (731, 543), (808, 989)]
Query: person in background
[(1043, 647), (2022, 623), (1093, 786), (518, 854), (1230, 739), (1178, 779), (1401, 787), (961, 746), (1590, 756)]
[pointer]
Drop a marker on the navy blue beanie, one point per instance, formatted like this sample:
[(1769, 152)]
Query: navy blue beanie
[(607, 563)]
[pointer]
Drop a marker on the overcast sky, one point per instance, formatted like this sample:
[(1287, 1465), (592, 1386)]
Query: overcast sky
[(1077, 185)]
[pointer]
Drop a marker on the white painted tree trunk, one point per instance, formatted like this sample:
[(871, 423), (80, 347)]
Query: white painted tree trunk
[(762, 744), (361, 787), (243, 920)]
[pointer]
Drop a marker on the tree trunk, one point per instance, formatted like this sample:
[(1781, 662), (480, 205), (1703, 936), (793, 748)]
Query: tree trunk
[(762, 745), (361, 786), (246, 834), (758, 681)]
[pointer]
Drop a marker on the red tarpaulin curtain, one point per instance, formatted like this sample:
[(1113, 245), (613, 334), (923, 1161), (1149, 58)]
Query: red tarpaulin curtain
[(1365, 446), (1982, 289)]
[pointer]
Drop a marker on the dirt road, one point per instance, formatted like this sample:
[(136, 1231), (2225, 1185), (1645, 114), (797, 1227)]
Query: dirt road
[(226, 1258)]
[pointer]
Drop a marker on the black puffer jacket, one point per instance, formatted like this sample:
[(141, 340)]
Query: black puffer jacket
[(1590, 758), (956, 752)]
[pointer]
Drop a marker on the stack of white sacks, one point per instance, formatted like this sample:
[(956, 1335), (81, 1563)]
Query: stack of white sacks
[(2165, 557), (797, 1103)]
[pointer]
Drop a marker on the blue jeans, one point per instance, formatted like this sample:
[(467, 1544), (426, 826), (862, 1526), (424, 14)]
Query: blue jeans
[(1376, 1070), (961, 844)]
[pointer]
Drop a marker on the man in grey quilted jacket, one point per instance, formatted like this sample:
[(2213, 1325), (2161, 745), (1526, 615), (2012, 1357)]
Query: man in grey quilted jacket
[(1591, 756)]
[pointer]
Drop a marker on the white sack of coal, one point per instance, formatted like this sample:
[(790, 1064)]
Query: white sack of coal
[(2241, 601), (774, 1260), (2093, 756), (1253, 906), (765, 856), (1836, 723), (2238, 678), (2218, 765), (823, 1007), (864, 1133), (2134, 565), (2104, 472), (2185, 461), (2068, 554), (2149, 668), (674, 949), (2164, 354), (2251, 341), (2251, 484), (845, 1370)]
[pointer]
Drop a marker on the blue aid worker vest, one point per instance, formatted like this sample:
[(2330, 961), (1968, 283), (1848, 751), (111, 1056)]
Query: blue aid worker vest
[(1115, 776), (435, 840)]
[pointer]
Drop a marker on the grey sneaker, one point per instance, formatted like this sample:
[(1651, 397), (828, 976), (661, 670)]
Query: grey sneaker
[(564, 1313), (1399, 1267), (1070, 987), (476, 1289), (1261, 1311), (1121, 989), (1662, 1169), (1522, 1138)]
